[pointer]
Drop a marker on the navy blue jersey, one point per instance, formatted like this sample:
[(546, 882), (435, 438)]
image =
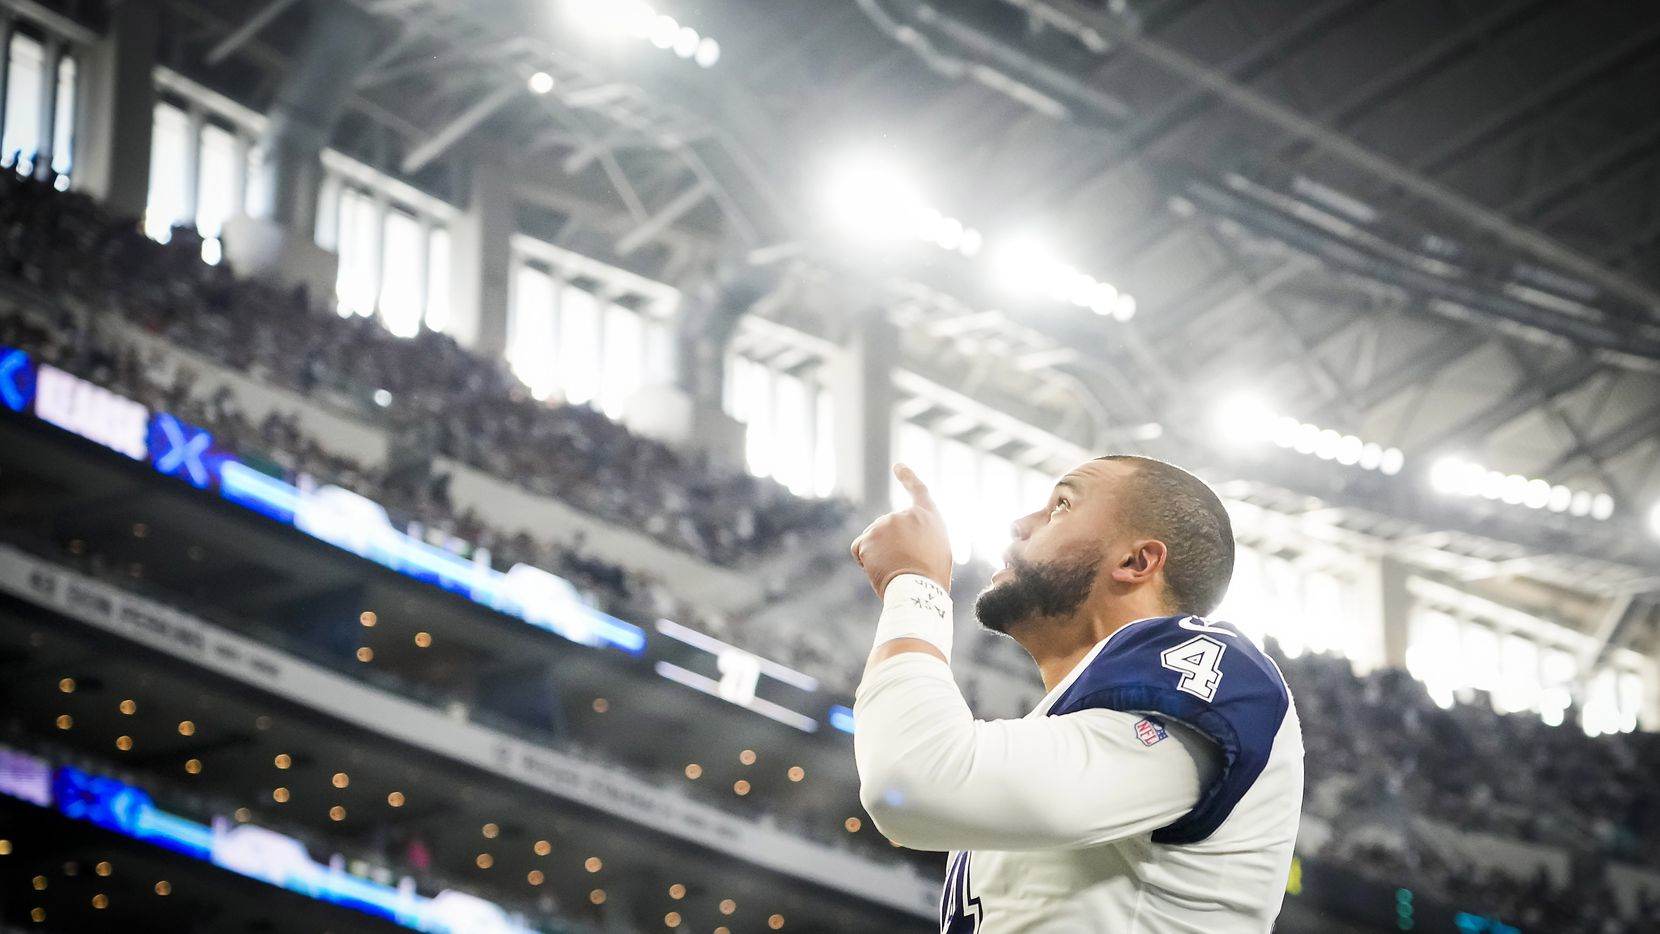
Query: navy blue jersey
[(1205, 674)]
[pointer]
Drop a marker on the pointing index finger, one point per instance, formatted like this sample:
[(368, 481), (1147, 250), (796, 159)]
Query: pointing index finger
[(914, 486)]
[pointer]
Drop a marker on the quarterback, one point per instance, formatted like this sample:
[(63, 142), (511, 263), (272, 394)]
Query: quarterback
[(1156, 786)]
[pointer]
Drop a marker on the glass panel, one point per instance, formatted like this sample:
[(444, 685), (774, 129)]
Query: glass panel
[(438, 280), (1323, 611), (659, 352), (359, 243), (401, 274), (530, 337), (1000, 504), (792, 433), (578, 345), (22, 134), (755, 401), (1518, 675), (824, 445), (957, 485), (1480, 657), (1602, 712), (1557, 672), (63, 123), (220, 179), (169, 199), (1432, 654), (624, 351), (1630, 700)]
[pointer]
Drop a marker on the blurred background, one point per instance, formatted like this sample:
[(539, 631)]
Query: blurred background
[(432, 431)]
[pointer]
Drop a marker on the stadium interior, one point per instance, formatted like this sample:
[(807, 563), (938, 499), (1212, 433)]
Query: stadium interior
[(431, 433)]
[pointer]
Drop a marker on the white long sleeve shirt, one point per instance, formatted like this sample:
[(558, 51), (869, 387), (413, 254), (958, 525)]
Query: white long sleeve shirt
[(1049, 819)]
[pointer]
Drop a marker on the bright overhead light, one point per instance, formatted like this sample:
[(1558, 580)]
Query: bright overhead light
[(1460, 477), (1244, 418), (708, 53), (541, 82), (873, 199), (635, 19), (1654, 520), (665, 31), (1602, 506), (1026, 266), (685, 44)]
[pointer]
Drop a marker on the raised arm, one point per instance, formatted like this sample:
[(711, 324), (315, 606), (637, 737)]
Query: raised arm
[(934, 778)]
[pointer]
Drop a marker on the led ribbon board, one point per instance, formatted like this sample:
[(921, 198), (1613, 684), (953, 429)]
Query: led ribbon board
[(245, 849)]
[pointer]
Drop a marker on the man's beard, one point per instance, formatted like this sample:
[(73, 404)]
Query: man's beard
[(1052, 589)]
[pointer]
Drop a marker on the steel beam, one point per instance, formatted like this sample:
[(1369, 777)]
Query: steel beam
[(1644, 426), (1358, 156), (1424, 366), (671, 212), (463, 123), (1552, 92), (1526, 396), (248, 30)]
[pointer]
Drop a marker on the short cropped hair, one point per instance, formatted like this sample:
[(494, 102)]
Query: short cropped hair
[(1165, 502)]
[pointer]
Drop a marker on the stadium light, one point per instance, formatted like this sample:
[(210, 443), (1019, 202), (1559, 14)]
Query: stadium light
[(1245, 419), (541, 82), (634, 19), (1025, 265), (1456, 476), (873, 199)]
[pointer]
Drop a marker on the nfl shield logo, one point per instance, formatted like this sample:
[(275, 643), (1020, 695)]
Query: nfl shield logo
[(1149, 731)]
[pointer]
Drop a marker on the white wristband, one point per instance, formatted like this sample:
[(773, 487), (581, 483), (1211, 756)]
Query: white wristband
[(914, 607)]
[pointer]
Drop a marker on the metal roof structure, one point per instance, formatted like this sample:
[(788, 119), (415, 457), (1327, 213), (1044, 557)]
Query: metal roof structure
[(1434, 226)]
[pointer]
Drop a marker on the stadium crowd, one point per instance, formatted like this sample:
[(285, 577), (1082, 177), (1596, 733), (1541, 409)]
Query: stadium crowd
[(1390, 751), (67, 244)]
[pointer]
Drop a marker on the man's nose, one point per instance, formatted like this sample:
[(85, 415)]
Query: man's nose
[(1023, 526)]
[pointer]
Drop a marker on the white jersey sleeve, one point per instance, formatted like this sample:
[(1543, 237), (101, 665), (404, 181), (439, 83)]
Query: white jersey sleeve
[(933, 777)]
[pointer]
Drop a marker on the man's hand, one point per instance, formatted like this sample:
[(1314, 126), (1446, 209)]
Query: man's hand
[(908, 541)]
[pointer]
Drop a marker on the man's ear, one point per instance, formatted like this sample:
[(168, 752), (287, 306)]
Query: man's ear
[(1141, 563)]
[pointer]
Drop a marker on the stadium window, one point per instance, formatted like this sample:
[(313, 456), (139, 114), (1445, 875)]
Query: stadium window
[(1630, 695), (999, 501), (1601, 713), (624, 355), (1480, 647), (579, 325), (824, 444), (531, 348), (789, 424), (752, 395), (63, 122), (1324, 610), (1519, 684), (26, 68), (957, 485), (659, 339), (220, 178), (402, 262), (359, 247), (438, 280), (170, 151), (792, 463), (1558, 669)]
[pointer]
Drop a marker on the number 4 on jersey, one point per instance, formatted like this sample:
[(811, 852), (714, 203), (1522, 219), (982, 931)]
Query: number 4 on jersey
[(1199, 660)]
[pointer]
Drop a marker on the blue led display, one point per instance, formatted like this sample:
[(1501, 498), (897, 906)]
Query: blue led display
[(17, 379)]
